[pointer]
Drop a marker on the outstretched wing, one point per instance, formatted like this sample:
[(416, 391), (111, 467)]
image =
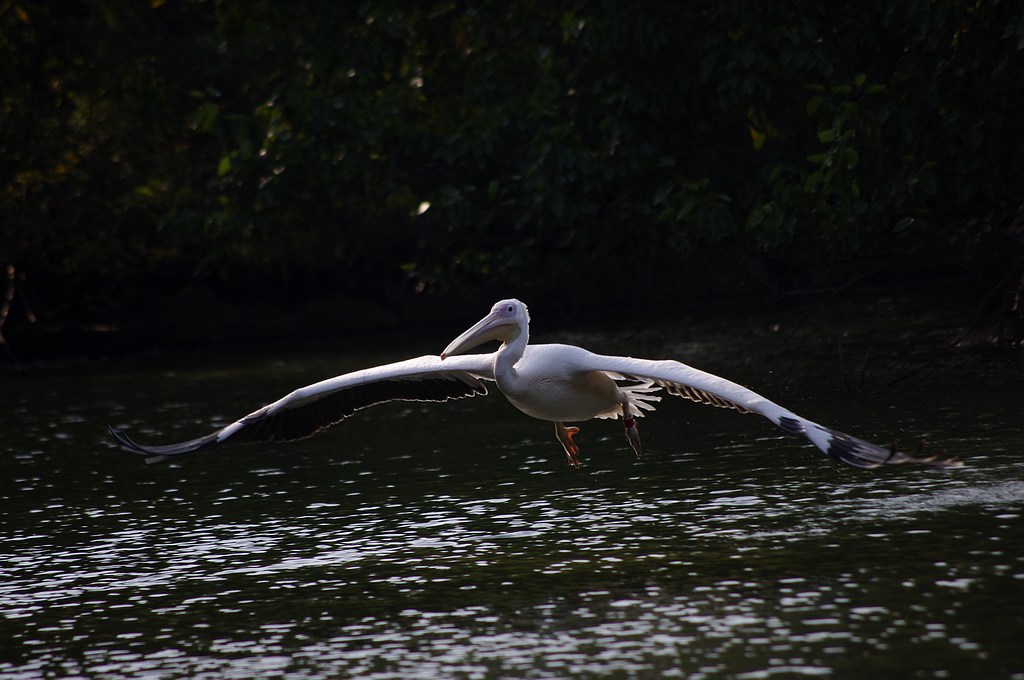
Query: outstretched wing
[(696, 385), (311, 408)]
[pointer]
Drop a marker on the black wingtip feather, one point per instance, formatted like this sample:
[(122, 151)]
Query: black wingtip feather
[(125, 441), (865, 455), (791, 425)]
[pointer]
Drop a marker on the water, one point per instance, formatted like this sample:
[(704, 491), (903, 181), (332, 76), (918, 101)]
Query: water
[(422, 541)]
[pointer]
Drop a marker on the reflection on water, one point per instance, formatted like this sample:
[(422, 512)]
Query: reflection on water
[(453, 541)]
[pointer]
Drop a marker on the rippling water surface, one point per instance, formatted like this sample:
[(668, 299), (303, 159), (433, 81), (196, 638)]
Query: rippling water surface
[(421, 541)]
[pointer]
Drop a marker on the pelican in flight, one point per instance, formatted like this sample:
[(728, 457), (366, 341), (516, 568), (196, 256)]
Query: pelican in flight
[(559, 383)]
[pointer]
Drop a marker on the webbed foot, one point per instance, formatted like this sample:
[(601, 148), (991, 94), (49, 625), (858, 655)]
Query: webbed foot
[(572, 451)]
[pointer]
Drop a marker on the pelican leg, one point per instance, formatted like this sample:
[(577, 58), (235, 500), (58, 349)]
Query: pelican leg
[(632, 433), (564, 435)]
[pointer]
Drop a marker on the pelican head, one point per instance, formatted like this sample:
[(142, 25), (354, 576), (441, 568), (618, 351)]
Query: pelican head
[(507, 320)]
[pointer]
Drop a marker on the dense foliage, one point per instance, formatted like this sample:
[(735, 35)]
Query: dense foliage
[(297, 148)]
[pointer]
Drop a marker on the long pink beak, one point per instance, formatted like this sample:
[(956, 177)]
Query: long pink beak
[(491, 327)]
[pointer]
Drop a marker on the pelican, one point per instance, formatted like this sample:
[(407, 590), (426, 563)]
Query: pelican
[(558, 383)]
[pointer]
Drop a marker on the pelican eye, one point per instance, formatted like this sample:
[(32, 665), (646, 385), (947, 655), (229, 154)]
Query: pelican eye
[(510, 309)]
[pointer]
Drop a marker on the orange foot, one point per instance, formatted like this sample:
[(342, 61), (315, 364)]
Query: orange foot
[(564, 435)]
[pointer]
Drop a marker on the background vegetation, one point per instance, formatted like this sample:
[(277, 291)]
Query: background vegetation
[(171, 160)]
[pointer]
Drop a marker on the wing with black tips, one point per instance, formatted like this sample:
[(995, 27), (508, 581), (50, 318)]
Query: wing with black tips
[(314, 407), (690, 383)]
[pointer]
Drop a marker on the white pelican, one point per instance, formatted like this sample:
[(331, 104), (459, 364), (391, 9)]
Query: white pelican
[(559, 383)]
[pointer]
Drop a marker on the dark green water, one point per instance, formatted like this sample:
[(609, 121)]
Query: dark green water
[(422, 541)]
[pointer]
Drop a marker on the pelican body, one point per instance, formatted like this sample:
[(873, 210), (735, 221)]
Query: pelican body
[(553, 382)]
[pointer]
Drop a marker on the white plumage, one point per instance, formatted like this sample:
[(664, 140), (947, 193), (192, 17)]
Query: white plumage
[(559, 383)]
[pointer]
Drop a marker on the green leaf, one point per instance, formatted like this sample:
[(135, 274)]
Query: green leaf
[(826, 136), (661, 194), (812, 182), (224, 167), (206, 116), (686, 210)]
